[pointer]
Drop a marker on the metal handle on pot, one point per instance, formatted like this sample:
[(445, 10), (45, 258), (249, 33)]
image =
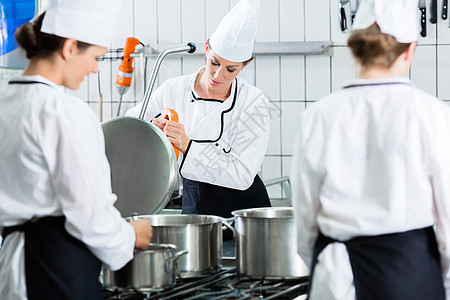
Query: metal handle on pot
[(227, 223), (175, 258)]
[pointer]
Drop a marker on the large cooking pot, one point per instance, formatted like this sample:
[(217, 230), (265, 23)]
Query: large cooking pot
[(154, 269), (266, 245), (200, 235)]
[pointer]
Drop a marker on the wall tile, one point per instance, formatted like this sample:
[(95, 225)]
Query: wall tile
[(108, 111), (268, 26), (317, 77), (145, 21), (343, 67), (268, 75), (290, 122), (292, 26), (193, 20), (215, 11), (274, 147), (271, 168), (170, 67), (423, 69), (292, 78), (443, 72), (248, 73), (317, 20), (124, 27), (192, 64), (286, 166), (169, 21)]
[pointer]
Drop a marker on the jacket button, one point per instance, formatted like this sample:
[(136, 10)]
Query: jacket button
[(217, 144)]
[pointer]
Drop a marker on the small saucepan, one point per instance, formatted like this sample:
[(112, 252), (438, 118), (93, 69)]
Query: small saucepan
[(154, 269)]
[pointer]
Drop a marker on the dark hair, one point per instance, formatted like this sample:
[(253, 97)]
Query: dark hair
[(39, 44), (371, 47), (244, 62)]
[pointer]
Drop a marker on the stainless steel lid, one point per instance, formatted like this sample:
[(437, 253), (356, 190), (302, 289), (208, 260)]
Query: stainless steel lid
[(143, 165)]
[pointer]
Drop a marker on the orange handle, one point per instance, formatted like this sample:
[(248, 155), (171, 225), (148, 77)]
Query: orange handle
[(126, 67), (171, 115)]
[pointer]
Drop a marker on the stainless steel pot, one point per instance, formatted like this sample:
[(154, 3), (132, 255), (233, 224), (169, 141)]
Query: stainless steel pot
[(154, 269), (266, 245), (201, 235)]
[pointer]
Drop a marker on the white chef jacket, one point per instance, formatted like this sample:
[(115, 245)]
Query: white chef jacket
[(370, 160), (53, 163), (228, 138)]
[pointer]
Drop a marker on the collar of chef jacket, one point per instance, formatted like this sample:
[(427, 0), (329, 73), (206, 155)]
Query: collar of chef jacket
[(377, 82), (211, 126)]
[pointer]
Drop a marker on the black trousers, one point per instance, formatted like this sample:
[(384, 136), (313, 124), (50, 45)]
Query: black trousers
[(397, 266), (57, 266)]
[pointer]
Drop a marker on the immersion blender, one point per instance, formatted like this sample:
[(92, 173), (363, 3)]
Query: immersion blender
[(125, 74)]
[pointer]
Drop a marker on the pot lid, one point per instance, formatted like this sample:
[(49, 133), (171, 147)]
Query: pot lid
[(143, 165)]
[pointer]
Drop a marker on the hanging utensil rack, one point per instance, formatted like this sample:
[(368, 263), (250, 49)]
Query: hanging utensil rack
[(261, 48)]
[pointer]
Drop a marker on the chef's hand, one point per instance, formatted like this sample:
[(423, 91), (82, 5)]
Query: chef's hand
[(160, 122), (177, 135), (144, 233)]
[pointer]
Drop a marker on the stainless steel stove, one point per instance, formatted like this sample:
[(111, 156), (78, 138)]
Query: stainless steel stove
[(227, 284)]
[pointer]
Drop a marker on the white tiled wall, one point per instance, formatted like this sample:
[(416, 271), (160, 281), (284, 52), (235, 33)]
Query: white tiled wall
[(292, 82)]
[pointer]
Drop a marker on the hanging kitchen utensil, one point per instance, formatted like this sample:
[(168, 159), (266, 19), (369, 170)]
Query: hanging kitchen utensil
[(354, 5), (144, 169), (433, 11), (423, 17), (343, 15), (444, 9)]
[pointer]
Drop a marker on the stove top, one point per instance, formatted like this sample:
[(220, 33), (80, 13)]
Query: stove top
[(227, 284)]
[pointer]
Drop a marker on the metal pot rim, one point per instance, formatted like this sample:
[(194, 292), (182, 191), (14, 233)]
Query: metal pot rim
[(258, 213), (211, 219)]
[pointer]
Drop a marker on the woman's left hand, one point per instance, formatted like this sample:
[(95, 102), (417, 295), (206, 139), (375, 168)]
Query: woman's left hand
[(177, 135)]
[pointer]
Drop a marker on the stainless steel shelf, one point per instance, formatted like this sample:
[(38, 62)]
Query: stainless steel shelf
[(262, 48)]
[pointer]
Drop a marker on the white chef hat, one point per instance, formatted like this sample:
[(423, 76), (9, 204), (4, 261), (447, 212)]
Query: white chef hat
[(89, 21), (399, 18), (234, 37)]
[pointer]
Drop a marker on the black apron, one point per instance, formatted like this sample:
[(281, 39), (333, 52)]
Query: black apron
[(57, 265), (397, 266), (208, 199)]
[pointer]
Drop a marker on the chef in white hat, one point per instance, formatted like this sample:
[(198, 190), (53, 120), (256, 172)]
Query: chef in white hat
[(223, 127), (57, 217), (371, 172)]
